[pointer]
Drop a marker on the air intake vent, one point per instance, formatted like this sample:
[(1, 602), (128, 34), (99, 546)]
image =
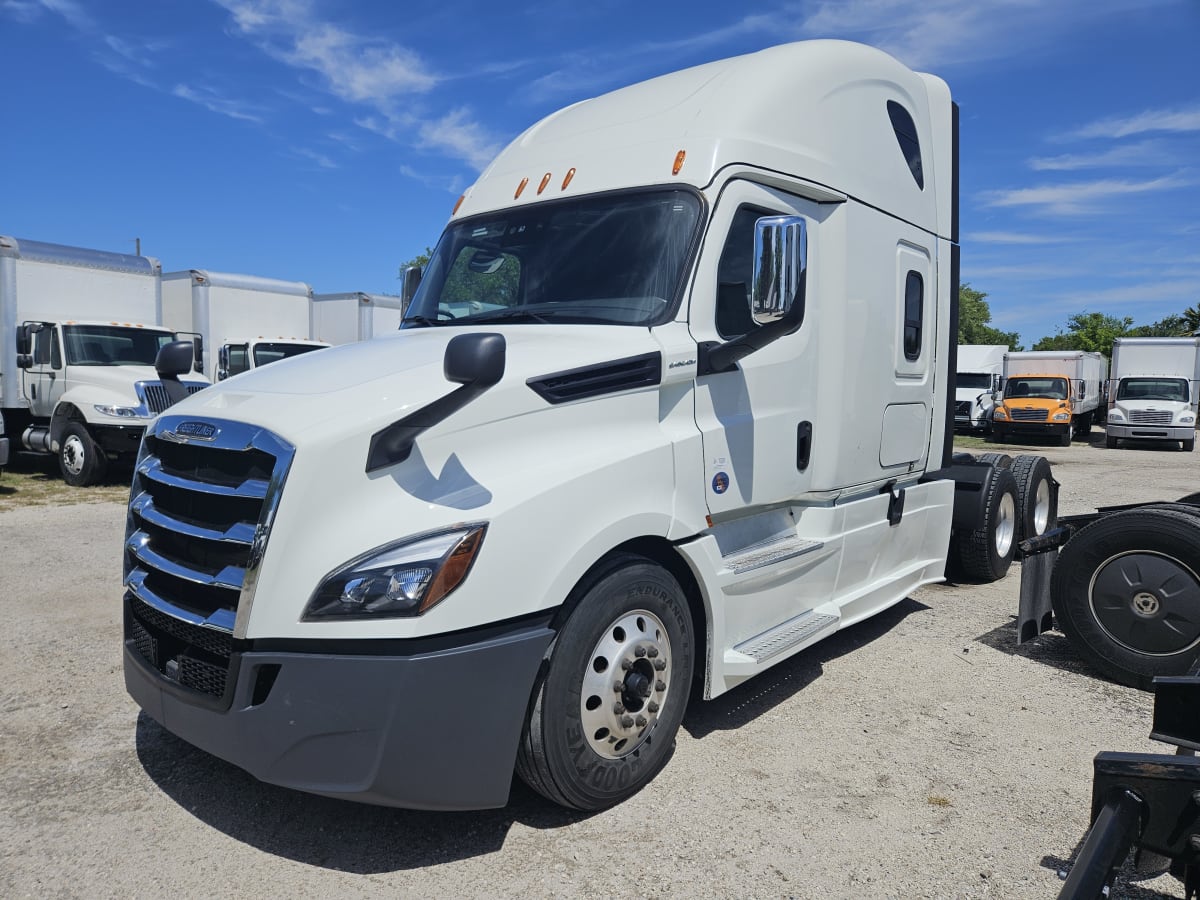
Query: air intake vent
[(155, 396), (600, 379)]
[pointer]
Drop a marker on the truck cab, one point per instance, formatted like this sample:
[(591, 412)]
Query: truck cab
[(1155, 391), (235, 358), (607, 462), (90, 389), (1050, 394)]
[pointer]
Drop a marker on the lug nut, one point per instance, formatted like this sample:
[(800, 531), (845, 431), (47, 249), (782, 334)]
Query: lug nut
[(639, 652), (618, 686), (626, 665), (627, 721), (652, 706), (659, 665), (618, 707), (641, 721), (652, 652), (660, 685)]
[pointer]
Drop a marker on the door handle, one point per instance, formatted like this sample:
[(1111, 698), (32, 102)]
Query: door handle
[(803, 445)]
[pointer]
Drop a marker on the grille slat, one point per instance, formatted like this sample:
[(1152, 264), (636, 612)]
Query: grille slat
[(156, 397), (1151, 416), (238, 533), (1028, 415), (152, 469)]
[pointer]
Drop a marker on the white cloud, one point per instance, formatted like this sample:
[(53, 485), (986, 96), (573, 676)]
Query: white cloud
[(1077, 199), (1163, 120), (1143, 153), (1014, 237), (23, 11), (313, 156), (458, 135), (213, 102), (451, 184)]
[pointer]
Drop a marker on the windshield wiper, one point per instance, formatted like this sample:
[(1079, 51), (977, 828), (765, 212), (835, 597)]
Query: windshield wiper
[(510, 314), (421, 320)]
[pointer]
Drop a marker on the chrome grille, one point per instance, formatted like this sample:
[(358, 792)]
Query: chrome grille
[(962, 408), (1150, 416), (155, 396), (203, 499), (1028, 415)]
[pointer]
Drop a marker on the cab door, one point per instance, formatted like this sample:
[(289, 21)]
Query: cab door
[(758, 420), (45, 380)]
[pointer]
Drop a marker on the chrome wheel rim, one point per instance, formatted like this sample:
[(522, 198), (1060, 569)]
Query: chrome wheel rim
[(73, 454), (1005, 525)]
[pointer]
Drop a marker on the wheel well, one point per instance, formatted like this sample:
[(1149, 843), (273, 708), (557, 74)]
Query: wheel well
[(64, 413), (661, 551)]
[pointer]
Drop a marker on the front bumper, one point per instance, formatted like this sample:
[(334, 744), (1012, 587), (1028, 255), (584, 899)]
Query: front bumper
[(118, 440), (434, 728), (1151, 432), (1033, 428)]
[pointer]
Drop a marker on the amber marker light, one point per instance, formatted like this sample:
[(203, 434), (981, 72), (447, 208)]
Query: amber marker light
[(679, 157), (567, 178), (545, 181), (520, 188), (457, 204)]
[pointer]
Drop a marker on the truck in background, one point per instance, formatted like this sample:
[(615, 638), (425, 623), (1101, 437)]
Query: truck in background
[(354, 316), (580, 482), (243, 321), (81, 331), (1050, 393), (1154, 389), (976, 383)]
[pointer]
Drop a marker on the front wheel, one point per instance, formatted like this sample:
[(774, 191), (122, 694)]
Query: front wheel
[(1126, 592), (80, 458), (610, 697), (1189, 445)]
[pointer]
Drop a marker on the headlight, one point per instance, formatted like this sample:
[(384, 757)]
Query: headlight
[(121, 412), (1116, 416), (1062, 417), (1188, 419), (401, 579), (1000, 413)]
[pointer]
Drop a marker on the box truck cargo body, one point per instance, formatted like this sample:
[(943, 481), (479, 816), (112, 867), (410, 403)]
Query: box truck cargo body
[(606, 461), (1050, 393), (81, 331), (1154, 390), (244, 321), (980, 367), (354, 316)]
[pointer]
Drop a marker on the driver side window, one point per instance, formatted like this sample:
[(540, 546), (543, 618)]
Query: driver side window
[(734, 273)]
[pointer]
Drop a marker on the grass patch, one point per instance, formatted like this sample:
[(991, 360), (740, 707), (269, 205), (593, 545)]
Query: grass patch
[(971, 442), (938, 800), (35, 481)]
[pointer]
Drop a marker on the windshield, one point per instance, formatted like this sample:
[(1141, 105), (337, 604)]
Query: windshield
[(1153, 389), (974, 381), (272, 352), (112, 345), (614, 259), (1045, 388)]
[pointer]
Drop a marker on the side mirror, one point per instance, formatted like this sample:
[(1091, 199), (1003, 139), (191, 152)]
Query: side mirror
[(223, 362), (24, 361), (412, 281), (780, 261), (198, 354), (24, 341), (174, 359), (475, 359)]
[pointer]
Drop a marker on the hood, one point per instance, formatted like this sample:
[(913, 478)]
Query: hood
[(364, 386), (113, 383)]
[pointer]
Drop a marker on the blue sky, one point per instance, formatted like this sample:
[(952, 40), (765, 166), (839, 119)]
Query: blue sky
[(327, 141)]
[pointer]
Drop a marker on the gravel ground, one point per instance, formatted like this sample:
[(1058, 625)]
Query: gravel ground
[(919, 754)]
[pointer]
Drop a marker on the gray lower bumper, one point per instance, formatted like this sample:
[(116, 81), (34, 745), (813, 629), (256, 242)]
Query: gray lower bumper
[(3, 452), (1151, 432), (432, 730)]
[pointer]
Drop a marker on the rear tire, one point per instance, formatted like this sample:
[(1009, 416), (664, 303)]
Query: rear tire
[(986, 553), (999, 460), (609, 699), (1037, 501), (1126, 592), (80, 458)]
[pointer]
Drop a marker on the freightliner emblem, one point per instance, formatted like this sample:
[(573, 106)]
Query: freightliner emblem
[(192, 431)]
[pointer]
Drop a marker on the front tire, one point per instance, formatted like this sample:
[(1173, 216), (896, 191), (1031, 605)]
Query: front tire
[(1110, 442), (80, 458), (1126, 592), (1189, 445), (610, 697)]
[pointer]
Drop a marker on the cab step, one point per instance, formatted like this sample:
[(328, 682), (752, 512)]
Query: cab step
[(769, 552), (803, 629)]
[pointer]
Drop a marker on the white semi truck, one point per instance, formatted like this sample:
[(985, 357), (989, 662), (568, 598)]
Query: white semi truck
[(1050, 393), (605, 462), (80, 331), (244, 321), (1154, 390), (977, 381), (350, 316)]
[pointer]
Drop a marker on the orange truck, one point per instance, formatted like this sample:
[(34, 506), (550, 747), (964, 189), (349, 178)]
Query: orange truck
[(1050, 393)]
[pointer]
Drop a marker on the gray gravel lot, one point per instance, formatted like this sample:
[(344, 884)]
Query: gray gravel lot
[(919, 754)]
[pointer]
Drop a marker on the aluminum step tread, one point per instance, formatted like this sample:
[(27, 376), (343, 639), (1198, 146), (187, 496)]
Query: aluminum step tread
[(778, 639), (769, 552)]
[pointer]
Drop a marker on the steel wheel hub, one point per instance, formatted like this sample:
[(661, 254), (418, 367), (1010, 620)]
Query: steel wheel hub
[(1006, 525), (72, 454), (1147, 602), (625, 684), (1041, 507)]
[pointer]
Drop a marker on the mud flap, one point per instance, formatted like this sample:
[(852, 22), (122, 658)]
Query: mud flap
[(1034, 614)]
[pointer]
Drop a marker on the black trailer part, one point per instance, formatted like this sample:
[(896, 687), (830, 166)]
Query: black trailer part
[(1147, 801)]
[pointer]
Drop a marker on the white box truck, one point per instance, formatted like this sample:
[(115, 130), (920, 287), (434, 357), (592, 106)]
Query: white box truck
[(244, 321), (980, 368), (1050, 393), (350, 316), (1154, 390), (80, 331), (605, 462)]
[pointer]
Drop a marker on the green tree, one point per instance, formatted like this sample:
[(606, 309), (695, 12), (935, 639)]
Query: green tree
[(1091, 332), (973, 317), (1171, 326), (421, 260), (1191, 319)]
